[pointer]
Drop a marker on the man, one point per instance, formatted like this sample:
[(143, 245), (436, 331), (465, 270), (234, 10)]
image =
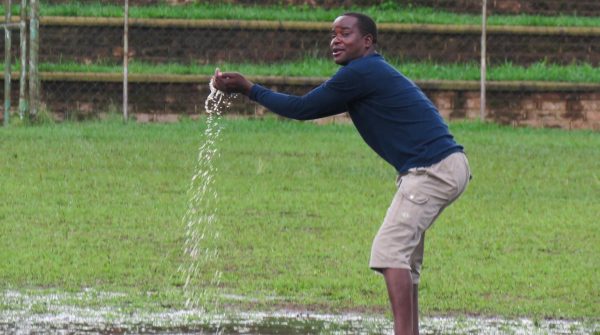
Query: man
[(401, 124)]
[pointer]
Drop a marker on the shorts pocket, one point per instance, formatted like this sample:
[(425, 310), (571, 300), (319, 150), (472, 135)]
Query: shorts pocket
[(416, 211), (415, 197)]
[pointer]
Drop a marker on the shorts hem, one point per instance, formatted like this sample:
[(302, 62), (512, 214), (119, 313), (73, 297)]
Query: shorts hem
[(379, 267)]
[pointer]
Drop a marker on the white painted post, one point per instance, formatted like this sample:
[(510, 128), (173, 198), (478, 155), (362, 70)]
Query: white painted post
[(23, 103), (125, 60), (7, 59), (34, 46), (483, 60)]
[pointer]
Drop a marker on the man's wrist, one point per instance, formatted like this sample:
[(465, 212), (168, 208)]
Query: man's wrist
[(248, 88)]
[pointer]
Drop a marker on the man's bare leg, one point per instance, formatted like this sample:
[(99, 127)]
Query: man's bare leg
[(415, 312), (400, 290)]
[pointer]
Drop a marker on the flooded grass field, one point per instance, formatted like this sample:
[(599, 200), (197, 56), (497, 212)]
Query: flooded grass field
[(66, 313), (111, 225)]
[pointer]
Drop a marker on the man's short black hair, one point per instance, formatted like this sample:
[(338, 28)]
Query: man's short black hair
[(366, 25)]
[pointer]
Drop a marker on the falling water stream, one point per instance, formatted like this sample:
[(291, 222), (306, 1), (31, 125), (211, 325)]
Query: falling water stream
[(201, 234)]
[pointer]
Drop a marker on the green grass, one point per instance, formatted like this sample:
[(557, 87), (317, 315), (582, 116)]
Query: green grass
[(100, 205), (317, 67), (387, 12)]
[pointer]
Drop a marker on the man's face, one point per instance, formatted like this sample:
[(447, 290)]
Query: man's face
[(347, 42)]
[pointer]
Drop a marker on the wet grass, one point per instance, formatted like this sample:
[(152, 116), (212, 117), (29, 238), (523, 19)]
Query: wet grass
[(100, 204), (387, 12), (322, 67)]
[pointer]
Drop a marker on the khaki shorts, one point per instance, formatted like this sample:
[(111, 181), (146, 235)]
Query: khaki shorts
[(422, 195)]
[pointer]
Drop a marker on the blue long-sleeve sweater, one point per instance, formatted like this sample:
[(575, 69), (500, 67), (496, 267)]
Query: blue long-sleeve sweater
[(391, 113)]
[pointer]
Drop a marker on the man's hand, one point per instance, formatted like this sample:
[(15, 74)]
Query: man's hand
[(232, 82)]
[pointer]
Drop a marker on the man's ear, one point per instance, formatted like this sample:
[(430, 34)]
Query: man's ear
[(368, 40)]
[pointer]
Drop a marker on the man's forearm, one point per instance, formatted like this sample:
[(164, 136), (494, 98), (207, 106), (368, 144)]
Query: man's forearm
[(308, 107)]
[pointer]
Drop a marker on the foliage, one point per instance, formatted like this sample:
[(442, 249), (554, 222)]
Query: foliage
[(321, 67), (386, 12)]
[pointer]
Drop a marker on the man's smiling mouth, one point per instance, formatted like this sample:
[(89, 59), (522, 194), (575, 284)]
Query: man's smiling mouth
[(337, 51)]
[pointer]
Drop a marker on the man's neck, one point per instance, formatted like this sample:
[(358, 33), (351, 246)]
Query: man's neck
[(369, 52)]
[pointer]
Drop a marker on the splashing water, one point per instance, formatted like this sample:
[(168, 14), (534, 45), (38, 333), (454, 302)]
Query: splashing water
[(200, 251)]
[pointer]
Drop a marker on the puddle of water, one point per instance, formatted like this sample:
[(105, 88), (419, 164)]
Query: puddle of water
[(21, 315)]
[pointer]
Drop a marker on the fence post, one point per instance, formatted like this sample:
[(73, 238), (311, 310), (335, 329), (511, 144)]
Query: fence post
[(125, 60), (23, 77), (34, 44), (7, 46), (483, 60)]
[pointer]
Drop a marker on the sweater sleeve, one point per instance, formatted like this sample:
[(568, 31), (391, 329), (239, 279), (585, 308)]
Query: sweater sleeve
[(330, 98)]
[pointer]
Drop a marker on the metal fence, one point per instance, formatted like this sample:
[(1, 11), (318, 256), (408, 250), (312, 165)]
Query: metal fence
[(81, 58)]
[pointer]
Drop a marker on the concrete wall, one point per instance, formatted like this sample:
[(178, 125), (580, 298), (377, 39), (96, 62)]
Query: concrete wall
[(566, 110), (167, 99), (150, 42), (209, 41)]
